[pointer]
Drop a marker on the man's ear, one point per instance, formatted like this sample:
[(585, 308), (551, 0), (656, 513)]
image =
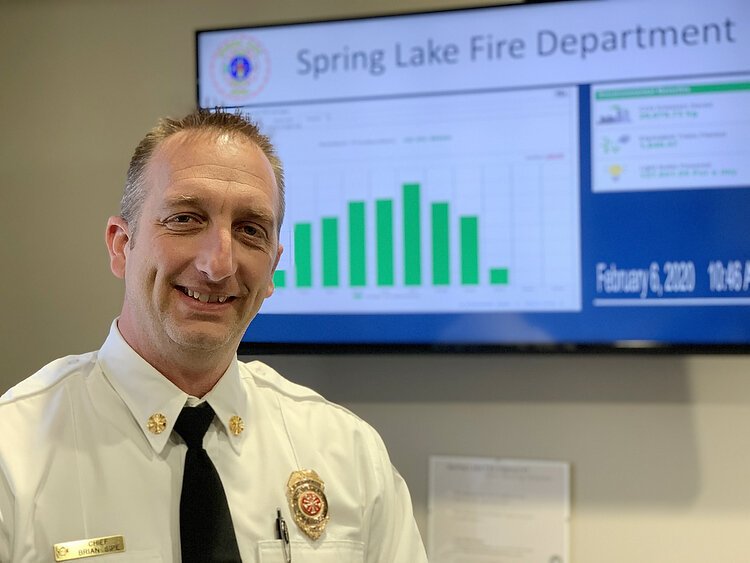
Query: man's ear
[(117, 239)]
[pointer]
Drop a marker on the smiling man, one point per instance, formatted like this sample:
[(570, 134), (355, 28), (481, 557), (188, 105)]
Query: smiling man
[(162, 446), (202, 261)]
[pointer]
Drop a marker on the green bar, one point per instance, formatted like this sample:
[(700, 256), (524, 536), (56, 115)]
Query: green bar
[(469, 251), (330, 241), (384, 235), (357, 270), (648, 92), (440, 244), (279, 278), (499, 276), (303, 254), (412, 242)]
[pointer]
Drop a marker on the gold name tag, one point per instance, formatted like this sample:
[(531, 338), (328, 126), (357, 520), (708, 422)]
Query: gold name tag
[(88, 548)]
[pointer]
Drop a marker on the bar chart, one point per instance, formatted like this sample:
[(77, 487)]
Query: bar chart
[(337, 271), (405, 206)]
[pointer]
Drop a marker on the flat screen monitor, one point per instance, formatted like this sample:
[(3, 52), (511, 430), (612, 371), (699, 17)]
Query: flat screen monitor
[(551, 176)]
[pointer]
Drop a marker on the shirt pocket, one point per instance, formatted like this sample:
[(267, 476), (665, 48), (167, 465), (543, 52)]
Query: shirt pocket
[(330, 551)]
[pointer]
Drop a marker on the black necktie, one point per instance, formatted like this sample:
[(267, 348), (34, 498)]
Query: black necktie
[(206, 530)]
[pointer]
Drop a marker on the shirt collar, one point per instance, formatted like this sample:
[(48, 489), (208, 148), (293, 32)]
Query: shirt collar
[(155, 402)]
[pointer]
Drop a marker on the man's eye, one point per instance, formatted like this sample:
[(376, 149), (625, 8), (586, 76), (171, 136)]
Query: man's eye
[(250, 230), (182, 218), (181, 221)]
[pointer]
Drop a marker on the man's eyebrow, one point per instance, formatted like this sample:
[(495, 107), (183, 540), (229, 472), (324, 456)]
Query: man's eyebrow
[(198, 201), (256, 214), (183, 198)]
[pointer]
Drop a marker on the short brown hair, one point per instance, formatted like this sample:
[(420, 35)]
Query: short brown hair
[(218, 121)]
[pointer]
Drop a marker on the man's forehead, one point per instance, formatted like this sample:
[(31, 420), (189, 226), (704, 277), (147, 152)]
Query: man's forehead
[(211, 155), (204, 146), (217, 172)]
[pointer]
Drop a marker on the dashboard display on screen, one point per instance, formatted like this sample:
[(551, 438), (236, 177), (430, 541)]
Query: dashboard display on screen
[(555, 176)]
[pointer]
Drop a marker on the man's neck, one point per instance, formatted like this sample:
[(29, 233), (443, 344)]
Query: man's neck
[(197, 374)]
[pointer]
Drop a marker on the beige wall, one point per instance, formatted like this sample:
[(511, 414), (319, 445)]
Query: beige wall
[(658, 445)]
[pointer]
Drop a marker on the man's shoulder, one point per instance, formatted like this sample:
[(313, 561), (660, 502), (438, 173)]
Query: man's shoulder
[(265, 378), (264, 375), (55, 374)]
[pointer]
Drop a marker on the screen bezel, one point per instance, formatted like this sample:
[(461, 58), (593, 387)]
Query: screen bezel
[(260, 347)]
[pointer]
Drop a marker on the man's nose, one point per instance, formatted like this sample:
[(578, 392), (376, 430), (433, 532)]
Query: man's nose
[(215, 257)]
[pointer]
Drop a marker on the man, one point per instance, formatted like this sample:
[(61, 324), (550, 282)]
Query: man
[(95, 457)]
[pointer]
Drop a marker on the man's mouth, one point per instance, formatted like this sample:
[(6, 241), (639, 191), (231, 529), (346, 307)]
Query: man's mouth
[(206, 297)]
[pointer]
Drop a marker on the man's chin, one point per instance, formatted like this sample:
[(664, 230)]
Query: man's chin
[(207, 341)]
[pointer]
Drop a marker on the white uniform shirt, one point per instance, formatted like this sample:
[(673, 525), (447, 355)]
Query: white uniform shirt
[(77, 461)]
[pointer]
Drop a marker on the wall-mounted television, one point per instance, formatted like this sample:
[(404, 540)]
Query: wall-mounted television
[(550, 176)]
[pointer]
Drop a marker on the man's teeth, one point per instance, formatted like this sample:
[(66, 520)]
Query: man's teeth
[(205, 297)]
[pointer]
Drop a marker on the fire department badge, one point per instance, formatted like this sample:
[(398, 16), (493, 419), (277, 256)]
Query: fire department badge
[(308, 502)]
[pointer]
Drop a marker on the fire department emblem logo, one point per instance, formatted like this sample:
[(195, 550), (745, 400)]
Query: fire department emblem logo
[(240, 69), (308, 502)]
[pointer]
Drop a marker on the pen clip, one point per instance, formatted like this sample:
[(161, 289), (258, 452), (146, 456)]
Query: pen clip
[(283, 534)]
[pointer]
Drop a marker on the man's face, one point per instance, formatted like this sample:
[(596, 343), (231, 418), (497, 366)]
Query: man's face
[(206, 245)]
